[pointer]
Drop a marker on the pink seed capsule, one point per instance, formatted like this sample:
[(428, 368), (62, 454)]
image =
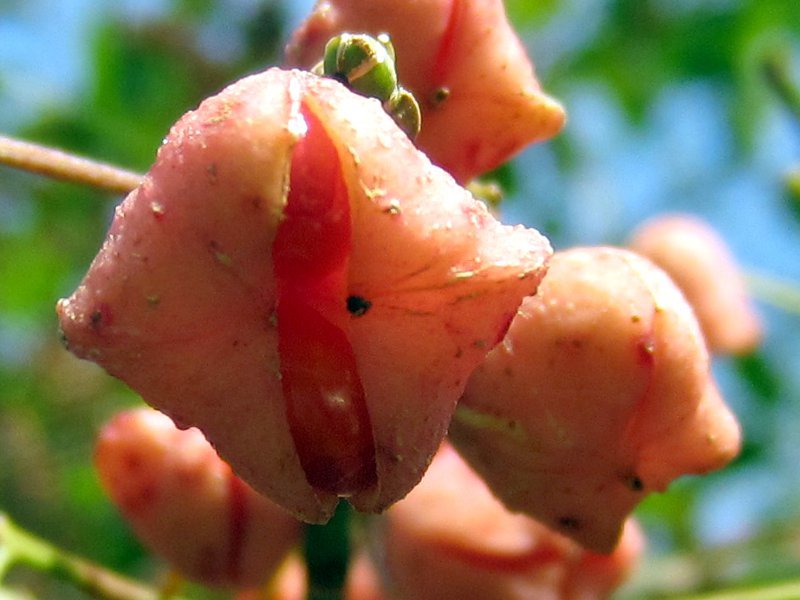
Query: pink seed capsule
[(451, 538), (312, 293), (186, 505), (291, 581), (599, 394), (702, 265), (480, 100)]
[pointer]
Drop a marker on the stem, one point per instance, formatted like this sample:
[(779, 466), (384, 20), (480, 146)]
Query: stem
[(6, 558), (780, 293), (327, 555), (793, 183), (780, 591), (57, 164), (777, 72), (20, 546), (766, 560)]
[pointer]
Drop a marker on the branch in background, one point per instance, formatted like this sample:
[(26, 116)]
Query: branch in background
[(780, 293), (766, 560), (783, 591), (18, 546), (792, 183), (777, 70), (50, 162)]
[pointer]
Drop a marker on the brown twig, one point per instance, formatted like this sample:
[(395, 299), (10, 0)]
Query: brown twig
[(58, 164)]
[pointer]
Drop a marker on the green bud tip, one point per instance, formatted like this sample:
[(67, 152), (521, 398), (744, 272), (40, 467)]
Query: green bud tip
[(366, 65), (403, 108), (363, 62)]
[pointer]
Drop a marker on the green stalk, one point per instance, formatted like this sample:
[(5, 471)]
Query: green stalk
[(18, 546), (780, 293), (327, 555), (777, 70), (780, 591)]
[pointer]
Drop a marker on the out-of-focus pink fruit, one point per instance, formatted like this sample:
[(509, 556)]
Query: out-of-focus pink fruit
[(187, 506), (363, 580), (297, 280), (701, 264), (450, 538), (480, 99), (291, 581), (599, 394)]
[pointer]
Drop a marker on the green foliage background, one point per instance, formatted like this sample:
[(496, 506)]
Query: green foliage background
[(620, 66)]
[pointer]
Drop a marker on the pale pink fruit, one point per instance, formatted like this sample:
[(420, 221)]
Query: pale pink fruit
[(480, 99), (297, 280), (451, 538), (291, 581), (187, 506), (702, 265), (363, 579), (599, 394)]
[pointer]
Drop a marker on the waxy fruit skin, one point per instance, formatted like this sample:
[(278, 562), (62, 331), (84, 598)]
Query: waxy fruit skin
[(187, 506), (451, 538), (599, 394), (494, 105), (180, 302), (702, 265)]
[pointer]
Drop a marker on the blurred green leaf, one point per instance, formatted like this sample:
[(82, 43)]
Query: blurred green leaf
[(146, 77), (524, 13), (761, 377), (193, 9), (264, 33), (670, 516)]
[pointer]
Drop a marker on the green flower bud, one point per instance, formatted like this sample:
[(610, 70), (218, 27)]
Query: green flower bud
[(363, 62), (403, 108), (366, 65)]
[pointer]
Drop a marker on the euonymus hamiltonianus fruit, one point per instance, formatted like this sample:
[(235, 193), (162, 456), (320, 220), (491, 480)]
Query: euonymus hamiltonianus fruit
[(451, 538), (297, 280), (699, 261), (599, 394), (186, 504)]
